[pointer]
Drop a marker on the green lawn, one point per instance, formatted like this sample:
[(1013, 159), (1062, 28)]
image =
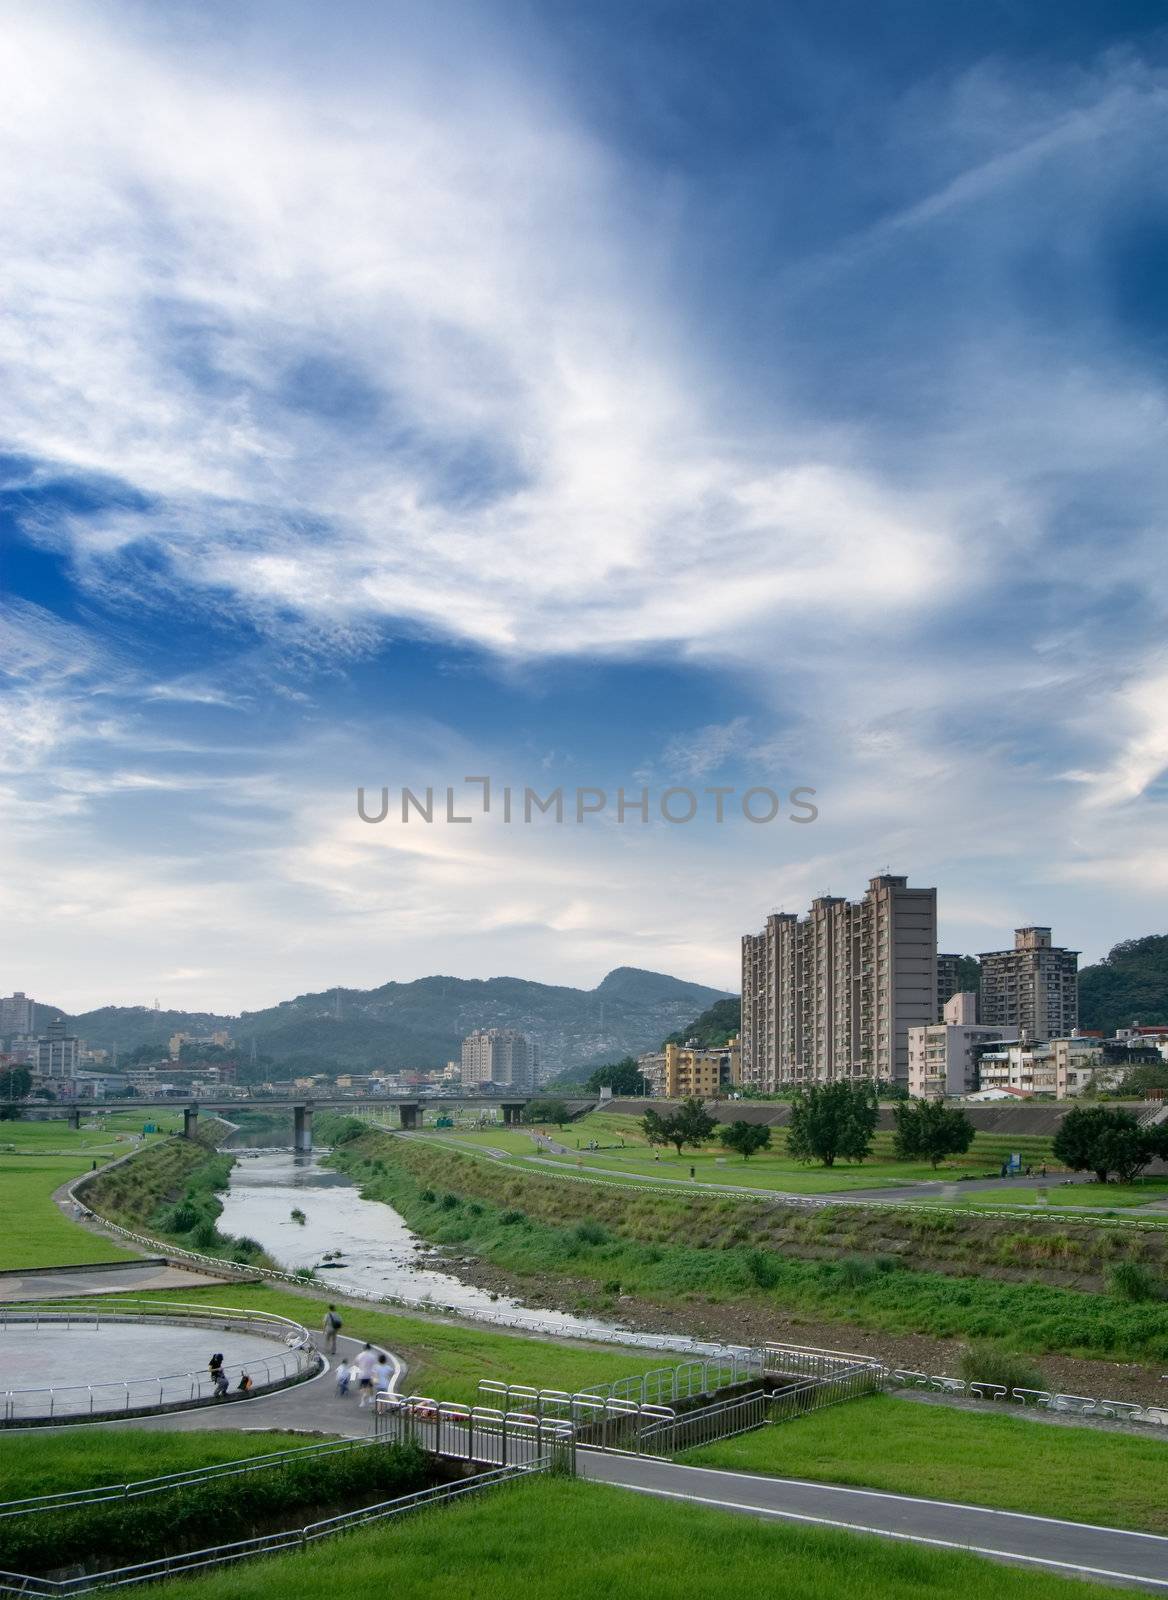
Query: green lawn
[(990, 1460), (774, 1169), (447, 1359), (1097, 1196), (45, 1462), (563, 1540), (35, 1159)]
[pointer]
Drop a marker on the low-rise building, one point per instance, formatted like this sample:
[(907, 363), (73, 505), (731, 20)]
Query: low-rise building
[(943, 1056), (679, 1071), (1060, 1067)]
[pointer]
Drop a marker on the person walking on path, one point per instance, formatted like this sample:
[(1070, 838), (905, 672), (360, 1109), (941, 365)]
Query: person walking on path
[(218, 1376), (365, 1363), (382, 1376), (332, 1326)]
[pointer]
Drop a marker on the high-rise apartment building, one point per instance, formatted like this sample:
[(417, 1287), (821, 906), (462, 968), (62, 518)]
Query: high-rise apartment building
[(948, 981), (1032, 991), (58, 1052), (17, 1015), (499, 1055), (833, 994)]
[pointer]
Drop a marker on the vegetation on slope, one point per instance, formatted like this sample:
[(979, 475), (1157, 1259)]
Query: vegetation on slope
[(561, 1539), (171, 1190), (672, 1249), (1129, 985)]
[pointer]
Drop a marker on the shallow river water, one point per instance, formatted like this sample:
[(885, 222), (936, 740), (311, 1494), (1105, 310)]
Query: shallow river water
[(380, 1254)]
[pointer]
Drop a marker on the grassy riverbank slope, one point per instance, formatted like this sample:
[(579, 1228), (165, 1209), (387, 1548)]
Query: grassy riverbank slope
[(1034, 1282), (572, 1540)]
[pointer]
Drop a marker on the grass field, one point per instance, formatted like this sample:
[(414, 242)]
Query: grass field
[(447, 1359), (35, 1159), (989, 1460), (563, 1540), (45, 1462)]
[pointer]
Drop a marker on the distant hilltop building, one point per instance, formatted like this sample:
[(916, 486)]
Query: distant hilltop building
[(1032, 991), (834, 993), (499, 1056), (58, 1053)]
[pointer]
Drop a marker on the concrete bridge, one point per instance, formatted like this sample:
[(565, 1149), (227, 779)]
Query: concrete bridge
[(409, 1108)]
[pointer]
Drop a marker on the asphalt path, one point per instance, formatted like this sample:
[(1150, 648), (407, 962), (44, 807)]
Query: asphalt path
[(1108, 1555)]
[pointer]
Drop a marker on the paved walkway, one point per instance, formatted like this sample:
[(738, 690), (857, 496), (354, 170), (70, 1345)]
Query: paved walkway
[(310, 1407), (1138, 1560), (131, 1277)]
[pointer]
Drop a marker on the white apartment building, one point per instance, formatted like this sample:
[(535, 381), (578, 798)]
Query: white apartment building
[(502, 1056), (833, 994), (58, 1053), (943, 1056), (1060, 1067)]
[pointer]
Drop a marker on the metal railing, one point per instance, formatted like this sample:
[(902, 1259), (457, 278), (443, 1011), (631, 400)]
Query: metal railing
[(69, 1499), (1079, 1405), (476, 1434), (688, 1380), (806, 1361), (16, 1583), (297, 1359)]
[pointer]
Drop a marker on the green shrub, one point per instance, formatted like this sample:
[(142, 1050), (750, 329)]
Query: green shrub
[(1128, 1280), (763, 1269), (856, 1272), (510, 1218), (591, 1233), (450, 1202), (427, 1197), (995, 1363)]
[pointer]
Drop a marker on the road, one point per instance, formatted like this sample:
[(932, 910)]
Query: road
[(1110, 1555)]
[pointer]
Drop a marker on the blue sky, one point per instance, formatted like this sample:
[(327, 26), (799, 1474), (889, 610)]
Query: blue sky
[(589, 395)]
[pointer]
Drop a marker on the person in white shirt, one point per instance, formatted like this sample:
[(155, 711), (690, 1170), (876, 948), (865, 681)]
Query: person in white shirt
[(365, 1362)]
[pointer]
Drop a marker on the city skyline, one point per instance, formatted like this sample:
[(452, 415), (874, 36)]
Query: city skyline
[(643, 397)]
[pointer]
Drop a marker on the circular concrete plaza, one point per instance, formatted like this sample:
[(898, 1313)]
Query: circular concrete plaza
[(76, 1369)]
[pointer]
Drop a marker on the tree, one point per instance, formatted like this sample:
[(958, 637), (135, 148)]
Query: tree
[(745, 1137), (622, 1077), (1094, 1139), (548, 1111), (691, 1124), (655, 1128), (717, 1025), (15, 1083), (929, 1129), (832, 1119)]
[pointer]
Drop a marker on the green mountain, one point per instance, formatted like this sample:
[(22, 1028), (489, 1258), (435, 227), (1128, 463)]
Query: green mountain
[(717, 1025), (1129, 985), (423, 1023)]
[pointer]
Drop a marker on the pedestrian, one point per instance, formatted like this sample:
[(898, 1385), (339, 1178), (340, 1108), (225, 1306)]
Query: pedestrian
[(218, 1376), (332, 1325), (365, 1363), (344, 1378), (383, 1374)]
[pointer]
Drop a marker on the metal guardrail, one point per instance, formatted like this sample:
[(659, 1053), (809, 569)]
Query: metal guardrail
[(297, 1359), (1078, 1405), (480, 1435), (16, 1583), (687, 1380), (69, 1499)]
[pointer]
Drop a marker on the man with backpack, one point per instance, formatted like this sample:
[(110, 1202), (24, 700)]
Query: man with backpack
[(332, 1326)]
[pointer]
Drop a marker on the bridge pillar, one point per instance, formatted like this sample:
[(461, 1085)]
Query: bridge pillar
[(513, 1111), (409, 1115), (302, 1129), (190, 1121), (75, 1116)]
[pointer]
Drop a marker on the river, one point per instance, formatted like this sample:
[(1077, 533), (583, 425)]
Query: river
[(380, 1254)]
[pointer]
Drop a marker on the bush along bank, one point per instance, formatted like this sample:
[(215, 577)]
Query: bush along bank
[(171, 1191), (217, 1511), (826, 1264)]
